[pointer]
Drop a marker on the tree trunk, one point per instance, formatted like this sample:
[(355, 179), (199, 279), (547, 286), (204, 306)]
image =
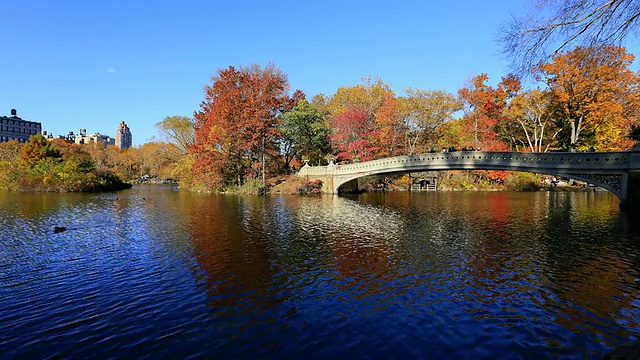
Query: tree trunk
[(264, 181), (572, 145)]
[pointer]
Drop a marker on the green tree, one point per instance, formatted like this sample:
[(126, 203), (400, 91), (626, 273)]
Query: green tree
[(305, 133)]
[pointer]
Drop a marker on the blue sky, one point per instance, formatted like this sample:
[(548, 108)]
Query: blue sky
[(90, 64)]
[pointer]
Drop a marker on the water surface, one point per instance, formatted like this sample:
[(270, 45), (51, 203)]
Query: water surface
[(153, 272)]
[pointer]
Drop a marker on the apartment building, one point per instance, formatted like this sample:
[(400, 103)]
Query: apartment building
[(13, 127), (123, 136)]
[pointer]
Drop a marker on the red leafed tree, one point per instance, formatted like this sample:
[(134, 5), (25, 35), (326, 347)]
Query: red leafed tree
[(353, 134), (236, 127), (484, 107)]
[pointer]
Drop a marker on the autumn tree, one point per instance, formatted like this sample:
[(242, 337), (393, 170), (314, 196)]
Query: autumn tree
[(369, 96), (177, 130), (75, 151), (125, 163), (422, 113), (353, 131), (9, 167), (594, 95), (129, 163), (483, 107), (38, 148), (112, 157), (98, 153), (528, 123), (391, 130), (305, 133), (550, 27), (156, 159), (237, 125), (57, 165), (381, 135), (10, 150)]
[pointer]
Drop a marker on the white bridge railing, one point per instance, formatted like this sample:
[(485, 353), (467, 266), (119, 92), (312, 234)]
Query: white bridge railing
[(481, 160), (607, 169)]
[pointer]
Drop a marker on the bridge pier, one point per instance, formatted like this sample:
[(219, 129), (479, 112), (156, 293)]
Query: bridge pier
[(633, 192), (632, 202)]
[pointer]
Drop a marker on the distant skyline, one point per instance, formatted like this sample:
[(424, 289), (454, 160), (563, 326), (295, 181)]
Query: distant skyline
[(91, 64)]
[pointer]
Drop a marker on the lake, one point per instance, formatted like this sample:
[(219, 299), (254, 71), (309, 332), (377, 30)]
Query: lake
[(153, 272)]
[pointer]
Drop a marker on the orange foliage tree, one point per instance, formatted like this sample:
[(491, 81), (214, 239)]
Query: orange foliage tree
[(158, 159), (483, 107), (370, 96), (236, 128), (77, 151), (595, 97), (38, 148), (390, 134)]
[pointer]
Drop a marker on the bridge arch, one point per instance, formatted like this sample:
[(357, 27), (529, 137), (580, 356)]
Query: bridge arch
[(608, 183), (618, 172)]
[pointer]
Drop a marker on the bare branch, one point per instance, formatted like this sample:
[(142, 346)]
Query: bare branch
[(554, 26)]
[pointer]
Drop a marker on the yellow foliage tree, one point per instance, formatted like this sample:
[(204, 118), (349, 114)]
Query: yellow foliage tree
[(423, 112), (594, 95)]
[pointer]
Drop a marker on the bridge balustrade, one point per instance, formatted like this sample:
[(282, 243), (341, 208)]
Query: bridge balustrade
[(618, 172)]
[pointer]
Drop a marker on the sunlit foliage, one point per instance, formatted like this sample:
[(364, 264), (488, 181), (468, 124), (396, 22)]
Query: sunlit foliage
[(237, 128), (594, 97)]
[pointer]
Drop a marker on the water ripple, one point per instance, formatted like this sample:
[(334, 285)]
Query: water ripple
[(155, 273)]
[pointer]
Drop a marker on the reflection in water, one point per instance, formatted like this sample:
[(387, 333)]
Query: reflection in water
[(260, 252), (162, 273)]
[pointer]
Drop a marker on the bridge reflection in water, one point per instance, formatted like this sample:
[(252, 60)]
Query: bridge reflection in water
[(618, 172)]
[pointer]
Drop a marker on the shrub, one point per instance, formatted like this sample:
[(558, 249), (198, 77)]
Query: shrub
[(311, 187), (521, 181)]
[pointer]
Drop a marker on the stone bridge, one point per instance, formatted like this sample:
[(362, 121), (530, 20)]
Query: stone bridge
[(618, 172)]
